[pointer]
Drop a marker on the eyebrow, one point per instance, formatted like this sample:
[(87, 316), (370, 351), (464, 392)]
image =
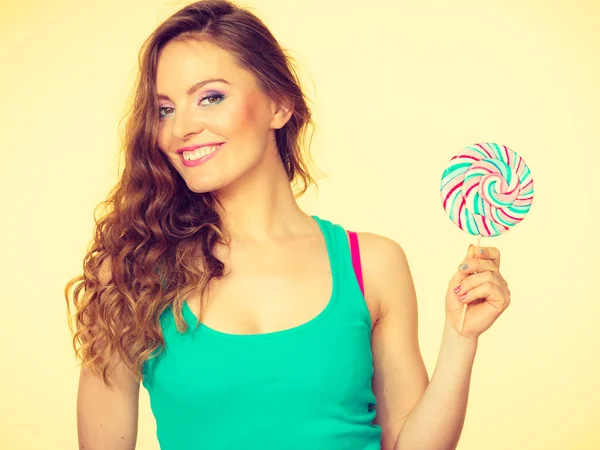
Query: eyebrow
[(196, 86)]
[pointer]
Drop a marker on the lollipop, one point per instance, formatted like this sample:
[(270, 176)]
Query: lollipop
[(485, 190)]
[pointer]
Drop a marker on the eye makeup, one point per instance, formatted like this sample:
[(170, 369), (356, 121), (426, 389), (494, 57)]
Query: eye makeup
[(212, 95), (218, 97)]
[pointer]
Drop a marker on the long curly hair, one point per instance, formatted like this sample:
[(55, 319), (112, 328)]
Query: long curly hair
[(153, 245)]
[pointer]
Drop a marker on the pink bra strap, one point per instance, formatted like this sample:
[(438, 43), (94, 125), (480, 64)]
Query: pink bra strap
[(355, 251)]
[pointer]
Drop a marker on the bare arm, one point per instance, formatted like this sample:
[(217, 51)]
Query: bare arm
[(438, 419), (107, 418), (414, 413), (443, 405)]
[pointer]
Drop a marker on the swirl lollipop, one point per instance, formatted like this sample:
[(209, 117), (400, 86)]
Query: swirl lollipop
[(485, 190)]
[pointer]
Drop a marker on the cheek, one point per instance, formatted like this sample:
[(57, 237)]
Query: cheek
[(164, 143), (162, 139), (248, 117), (230, 122)]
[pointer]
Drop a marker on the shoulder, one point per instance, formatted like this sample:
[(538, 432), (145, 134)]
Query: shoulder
[(385, 269), (381, 255), (381, 248)]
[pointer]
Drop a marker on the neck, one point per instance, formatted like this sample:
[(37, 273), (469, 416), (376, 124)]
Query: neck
[(260, 206)]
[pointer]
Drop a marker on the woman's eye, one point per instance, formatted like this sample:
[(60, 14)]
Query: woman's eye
[(217, 98), (209, 100), (162, 112)]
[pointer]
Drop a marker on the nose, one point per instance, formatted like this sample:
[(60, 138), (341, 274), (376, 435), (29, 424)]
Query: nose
[(186, 125)]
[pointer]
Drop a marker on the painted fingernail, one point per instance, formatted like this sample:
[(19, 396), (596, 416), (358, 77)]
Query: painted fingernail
[(464, 266), (462, 297), (457, 289)]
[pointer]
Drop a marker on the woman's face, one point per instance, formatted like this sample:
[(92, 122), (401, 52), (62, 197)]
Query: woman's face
[(230, 111)]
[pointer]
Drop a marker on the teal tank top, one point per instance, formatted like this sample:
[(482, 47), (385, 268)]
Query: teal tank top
[(307, 387)]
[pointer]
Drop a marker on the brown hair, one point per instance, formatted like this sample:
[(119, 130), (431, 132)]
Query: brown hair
[(154, 244)]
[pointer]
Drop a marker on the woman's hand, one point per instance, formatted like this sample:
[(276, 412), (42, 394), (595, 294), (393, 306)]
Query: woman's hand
[(485, 292)]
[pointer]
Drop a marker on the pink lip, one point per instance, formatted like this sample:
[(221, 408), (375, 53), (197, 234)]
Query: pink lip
[(202, 160), (194, 147)]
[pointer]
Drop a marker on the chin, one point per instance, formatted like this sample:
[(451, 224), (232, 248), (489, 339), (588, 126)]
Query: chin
[(202, 186), (213, 182)]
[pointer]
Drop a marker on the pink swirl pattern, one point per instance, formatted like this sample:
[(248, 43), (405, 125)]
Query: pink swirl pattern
[(486, 189)]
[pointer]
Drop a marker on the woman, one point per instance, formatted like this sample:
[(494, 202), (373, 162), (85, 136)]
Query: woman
[(242, 315)]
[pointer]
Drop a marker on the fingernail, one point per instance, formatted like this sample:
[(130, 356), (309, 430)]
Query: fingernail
[(464, 266), (462, 297), (457, 289), (480, 251)]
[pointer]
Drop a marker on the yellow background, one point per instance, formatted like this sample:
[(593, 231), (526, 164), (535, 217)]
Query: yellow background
[(399, 88)]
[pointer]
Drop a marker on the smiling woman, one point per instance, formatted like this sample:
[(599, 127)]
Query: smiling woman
[(251, 323), (233, 111)]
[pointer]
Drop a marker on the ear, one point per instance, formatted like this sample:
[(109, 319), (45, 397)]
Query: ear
[(281, 113)]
